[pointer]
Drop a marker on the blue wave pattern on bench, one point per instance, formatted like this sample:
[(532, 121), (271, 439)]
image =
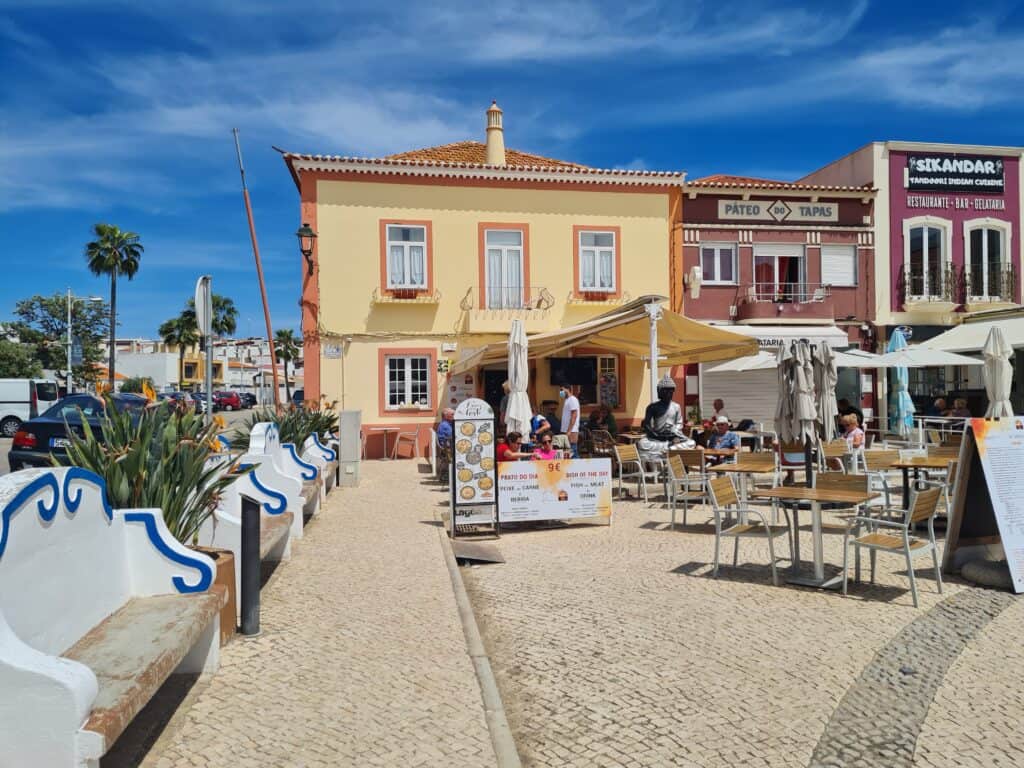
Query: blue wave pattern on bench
[(47, 507), (272, 509), (205, 572), (313, 472), (329, 455)]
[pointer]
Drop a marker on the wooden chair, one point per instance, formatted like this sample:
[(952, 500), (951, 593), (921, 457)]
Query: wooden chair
[(687, 480), (632, 467), (900, 541), (723, 496), (833, 449), (784, 450), (602, 444), (878, 468)]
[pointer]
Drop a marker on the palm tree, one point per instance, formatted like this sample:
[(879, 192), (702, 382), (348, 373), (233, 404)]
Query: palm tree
[(182, 332), (287, 348), (225, 315), (113, 253)]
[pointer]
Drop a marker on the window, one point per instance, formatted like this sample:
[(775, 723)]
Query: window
[(597, 261), (718, 263), (407, 256), (504, 269), (779, 274), (987, 274), (407, 381), (190, 370), (925, 258), (605, 391), (839, 265)]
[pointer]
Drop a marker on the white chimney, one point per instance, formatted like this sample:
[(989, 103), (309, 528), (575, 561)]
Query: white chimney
[(495, 136)]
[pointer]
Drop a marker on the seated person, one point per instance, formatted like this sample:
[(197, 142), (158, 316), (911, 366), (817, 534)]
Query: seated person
[(845, 408), (852, 434), (723, 439), (937, 408), (539, 426), (601, 418), (545, 451), (960, 408), (508, 450)]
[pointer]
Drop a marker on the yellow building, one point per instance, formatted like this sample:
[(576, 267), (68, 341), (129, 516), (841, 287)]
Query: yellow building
[(424, 255)]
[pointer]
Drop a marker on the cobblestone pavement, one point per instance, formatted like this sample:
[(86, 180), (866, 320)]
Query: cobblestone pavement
[(362, 660), (613, 646)]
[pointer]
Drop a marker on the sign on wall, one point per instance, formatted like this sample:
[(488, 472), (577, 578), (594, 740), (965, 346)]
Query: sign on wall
[(567, 489), (474, 470), (955, 173), (460, 387), (778, 211)]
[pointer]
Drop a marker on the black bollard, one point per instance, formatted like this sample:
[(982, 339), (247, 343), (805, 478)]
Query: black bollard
[(337, 471), (250, 567)]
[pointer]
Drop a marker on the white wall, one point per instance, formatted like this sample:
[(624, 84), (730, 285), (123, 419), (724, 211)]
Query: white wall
[(161, 367)]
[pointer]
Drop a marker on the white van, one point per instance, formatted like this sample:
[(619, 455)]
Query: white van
[(24, 399)]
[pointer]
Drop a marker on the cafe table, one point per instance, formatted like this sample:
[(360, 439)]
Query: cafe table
[(816, 497), (631, 437), (386, 431), (918, 463)]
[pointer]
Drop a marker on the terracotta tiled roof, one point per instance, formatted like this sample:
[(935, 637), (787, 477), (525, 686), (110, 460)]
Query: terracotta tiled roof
[(475, 153), (724, 180)]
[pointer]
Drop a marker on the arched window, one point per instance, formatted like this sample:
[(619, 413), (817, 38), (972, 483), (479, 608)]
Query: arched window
[(926, 257), (988, 270)]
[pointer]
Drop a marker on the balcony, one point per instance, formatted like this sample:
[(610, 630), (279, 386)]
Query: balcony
[(773, 303), (409, 296), (937, 290), (494, 311), (996, 292)]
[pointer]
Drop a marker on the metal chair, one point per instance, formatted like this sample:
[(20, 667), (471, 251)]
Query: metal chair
[(900, 540), (723, 496), (632, 467), (687, 480)]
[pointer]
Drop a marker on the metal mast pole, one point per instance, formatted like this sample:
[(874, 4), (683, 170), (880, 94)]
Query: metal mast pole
[(654, 315), (69, 341), (259, 271)]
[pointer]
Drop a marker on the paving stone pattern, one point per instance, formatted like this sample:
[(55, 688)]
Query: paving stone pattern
[(613, 646), (362, 660), (880, 717)]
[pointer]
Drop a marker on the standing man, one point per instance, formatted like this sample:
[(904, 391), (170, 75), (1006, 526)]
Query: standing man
[(570, 418), (444, 429)]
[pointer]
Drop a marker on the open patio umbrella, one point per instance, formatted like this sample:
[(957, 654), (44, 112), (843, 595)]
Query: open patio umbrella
[(825, 380), (902, 409), (998, 374), (518, 412)]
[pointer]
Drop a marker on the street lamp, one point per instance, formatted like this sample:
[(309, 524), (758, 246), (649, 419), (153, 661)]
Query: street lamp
[(306, 237), (71, 300)]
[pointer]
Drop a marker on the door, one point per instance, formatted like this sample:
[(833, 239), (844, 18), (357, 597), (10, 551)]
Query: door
[(504, 279), (492, 388), (779, 273)]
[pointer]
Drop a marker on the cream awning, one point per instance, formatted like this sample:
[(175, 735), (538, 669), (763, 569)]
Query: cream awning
[(626, 330), (970, 337)]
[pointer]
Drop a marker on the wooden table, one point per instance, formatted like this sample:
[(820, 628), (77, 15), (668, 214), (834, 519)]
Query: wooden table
[(631, 437), (816, 497), (386, 431), (917, 464), (741, 469)]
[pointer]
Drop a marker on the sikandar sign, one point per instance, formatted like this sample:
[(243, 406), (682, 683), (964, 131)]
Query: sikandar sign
[(955, 173)]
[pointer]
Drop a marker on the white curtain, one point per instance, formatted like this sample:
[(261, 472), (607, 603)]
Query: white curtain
[(514, 279), (606, 269), (417, 267), (587, 269), (396, 266), (494, 277)]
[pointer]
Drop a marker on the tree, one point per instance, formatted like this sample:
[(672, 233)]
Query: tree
[(180, 331), (136, 384), (286, 347), (225, 315), (42, 325), (114, 252), (17, 361)]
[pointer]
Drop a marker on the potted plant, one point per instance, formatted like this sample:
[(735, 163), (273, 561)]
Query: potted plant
[(159, 457)]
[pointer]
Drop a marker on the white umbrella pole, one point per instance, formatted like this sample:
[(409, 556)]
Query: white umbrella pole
[(654, 315)]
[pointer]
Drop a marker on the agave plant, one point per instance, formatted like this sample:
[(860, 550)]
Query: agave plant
[(294, 424), (157, 457)]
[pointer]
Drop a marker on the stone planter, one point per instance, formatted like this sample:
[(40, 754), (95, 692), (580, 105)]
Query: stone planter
[(225, 561)]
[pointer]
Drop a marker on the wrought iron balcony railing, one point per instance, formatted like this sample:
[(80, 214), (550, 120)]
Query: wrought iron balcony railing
[(1000, 285), (943, 283), (508, 297)]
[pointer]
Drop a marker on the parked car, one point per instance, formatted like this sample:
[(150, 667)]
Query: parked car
[(184, 398), (298, 397), (199, 398), (47, 435), (24, 399), (227, 401), (248, 399)]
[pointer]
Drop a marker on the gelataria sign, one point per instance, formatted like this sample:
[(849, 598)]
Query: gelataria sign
[(955, 173), (778, 211)]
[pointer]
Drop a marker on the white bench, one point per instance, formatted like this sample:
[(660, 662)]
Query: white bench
[(98, 607), (265, 447), (278, 524), (326, 460)]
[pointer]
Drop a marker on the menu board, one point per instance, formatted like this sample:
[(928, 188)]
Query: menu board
[(474, 470), (567, 489), (461, 386), (988, 498)]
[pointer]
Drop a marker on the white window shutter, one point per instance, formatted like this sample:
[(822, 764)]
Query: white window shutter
[(839, 264)]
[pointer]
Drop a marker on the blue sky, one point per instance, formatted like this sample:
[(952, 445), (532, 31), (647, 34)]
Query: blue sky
[(122, 111)]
